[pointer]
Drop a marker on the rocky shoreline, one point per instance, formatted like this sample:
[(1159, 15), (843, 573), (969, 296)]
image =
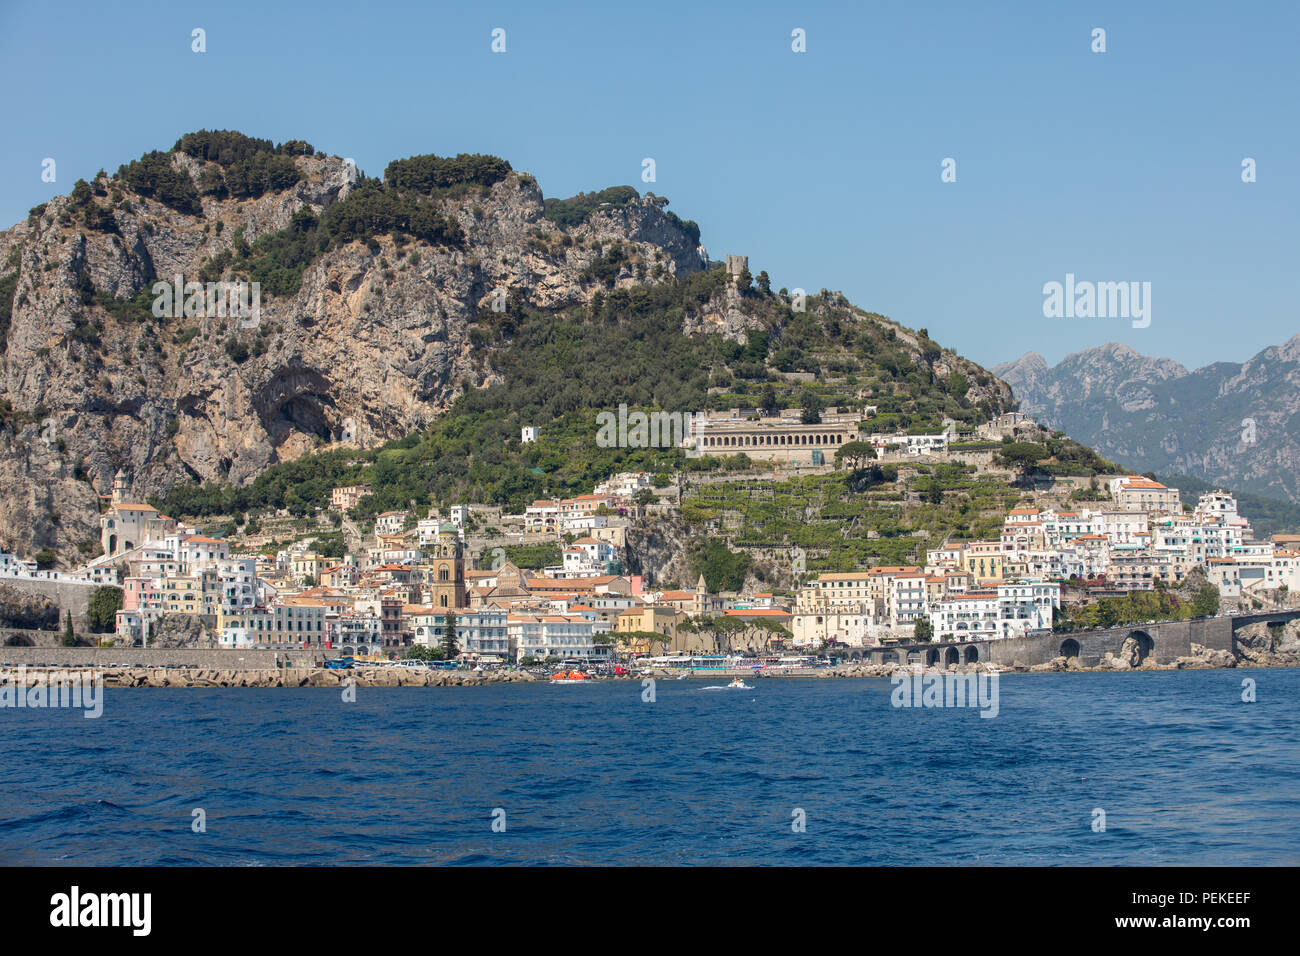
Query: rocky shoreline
[(305, 677), (162, 677)]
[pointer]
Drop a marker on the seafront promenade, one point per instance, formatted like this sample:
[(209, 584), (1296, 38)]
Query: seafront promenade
[(1271, 640)]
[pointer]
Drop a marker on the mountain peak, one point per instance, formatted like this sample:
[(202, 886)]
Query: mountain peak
[(1153, 414)]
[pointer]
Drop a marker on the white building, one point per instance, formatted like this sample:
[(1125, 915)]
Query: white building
[(566, 636), (357, 630), (542, 517), (1012, 610), (583, 524), (1121, 527), (239, 584), (13, 566), (1219, 506), (906, 599), (427, 529), (585, 558), (480, 633), (625, 484), (391, 522), (910, 444)]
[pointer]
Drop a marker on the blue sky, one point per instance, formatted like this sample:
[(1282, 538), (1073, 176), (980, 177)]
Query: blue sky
[(822, 167)]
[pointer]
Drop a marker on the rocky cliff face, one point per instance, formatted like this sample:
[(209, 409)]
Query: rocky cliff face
[(374, 344), (376, 341), (1227, 423), (23, 609)]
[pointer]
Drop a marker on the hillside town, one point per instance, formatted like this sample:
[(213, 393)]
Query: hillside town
[(427, 583)]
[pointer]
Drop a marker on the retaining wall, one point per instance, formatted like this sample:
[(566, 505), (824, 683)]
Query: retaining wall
[(207, 658)]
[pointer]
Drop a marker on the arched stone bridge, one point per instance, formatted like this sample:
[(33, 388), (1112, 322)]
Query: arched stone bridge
[(1163, 642)]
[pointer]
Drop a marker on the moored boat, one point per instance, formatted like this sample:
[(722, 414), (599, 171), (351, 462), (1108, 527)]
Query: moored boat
[(571, 677)]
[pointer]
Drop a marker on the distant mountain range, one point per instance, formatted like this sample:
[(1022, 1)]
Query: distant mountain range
[(1229, 424)]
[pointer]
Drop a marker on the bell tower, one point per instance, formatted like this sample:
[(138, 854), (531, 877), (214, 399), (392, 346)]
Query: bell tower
[(120, 486), (446, 569)]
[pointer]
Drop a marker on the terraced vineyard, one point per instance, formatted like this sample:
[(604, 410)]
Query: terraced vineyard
[(844, 521)]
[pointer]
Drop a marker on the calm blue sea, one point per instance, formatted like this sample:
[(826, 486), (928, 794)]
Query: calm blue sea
[(590, 774)]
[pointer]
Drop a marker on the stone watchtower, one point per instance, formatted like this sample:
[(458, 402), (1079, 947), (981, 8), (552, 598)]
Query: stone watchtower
[(736, 265), (446, 569)]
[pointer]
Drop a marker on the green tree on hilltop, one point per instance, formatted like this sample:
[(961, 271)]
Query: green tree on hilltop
[(854, 454), (1022, 455)]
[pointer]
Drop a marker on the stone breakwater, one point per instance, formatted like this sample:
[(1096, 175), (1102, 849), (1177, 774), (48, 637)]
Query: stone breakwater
[(401, 677), (278, 677), (1256, 646)]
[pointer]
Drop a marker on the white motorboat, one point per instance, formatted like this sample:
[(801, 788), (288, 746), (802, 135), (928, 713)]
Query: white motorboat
[(736, 684)]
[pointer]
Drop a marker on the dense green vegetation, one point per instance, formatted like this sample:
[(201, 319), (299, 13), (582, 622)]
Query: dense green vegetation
[(298, 486), (1139, 606), (1022, 455), (330, 545), (102, 610), (245, 168), (229, 148), (574, 211), (1059, 455), (154, 176), (450, 649), (1068, 457), (561, 370), (532, 557), (435, 175), (723, 569), (242, 167), (83, 208), (879, 515)]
